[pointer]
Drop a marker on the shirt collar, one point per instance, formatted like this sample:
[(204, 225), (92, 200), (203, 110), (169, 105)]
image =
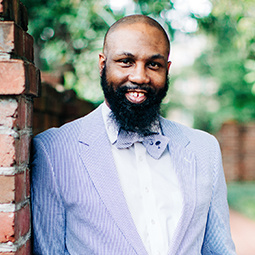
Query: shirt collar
[(112, 128)]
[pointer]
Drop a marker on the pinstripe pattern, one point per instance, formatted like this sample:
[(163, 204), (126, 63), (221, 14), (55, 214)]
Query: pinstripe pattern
[(78, 206)]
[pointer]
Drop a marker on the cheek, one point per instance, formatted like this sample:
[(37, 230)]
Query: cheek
[(159, 81), (116, 77)]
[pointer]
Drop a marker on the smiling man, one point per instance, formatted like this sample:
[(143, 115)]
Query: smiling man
[(135, 76), (123, 180)]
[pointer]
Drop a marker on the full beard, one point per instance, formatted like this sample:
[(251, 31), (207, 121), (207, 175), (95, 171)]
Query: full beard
[(132, 117)]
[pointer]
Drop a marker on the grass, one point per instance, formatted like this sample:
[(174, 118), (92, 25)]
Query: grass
[(241, 197)]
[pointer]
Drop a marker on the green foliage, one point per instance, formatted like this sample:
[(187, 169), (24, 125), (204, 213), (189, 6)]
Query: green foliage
[(241, 197), (230, 58)]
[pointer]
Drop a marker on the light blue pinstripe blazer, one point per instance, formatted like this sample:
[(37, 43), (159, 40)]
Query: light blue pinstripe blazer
[(78, 206)]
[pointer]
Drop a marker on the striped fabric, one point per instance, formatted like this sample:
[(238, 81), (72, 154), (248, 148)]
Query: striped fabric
[(78, 206)]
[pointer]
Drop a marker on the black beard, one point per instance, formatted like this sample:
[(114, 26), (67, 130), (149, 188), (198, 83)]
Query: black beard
[(129, 116)]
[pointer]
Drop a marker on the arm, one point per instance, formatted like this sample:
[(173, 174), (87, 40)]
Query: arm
[(217, 238), (48, 214)]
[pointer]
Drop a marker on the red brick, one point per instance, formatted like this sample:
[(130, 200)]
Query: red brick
[(7, 184), (29, 47), (7, 150), (29, 114), (14, 151), (22, 113), (18, 77), (23, 22), (8, 114), (14, 188), (7, 36), (27, 182), (23, 149), (33, 79), (12, 77), (22, 222), (12, 38), (18, 42), (7, 227), (14, 225), (16, 12), (25, 111), (15, 40), (25, 249), (16, 112), (20, 187), (238, 149)]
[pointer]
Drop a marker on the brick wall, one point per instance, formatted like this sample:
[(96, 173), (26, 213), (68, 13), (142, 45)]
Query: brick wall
[(238, 150), (19, 81)]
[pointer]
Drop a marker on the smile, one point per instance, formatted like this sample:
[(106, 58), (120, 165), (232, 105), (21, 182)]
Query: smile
[(136, 96)]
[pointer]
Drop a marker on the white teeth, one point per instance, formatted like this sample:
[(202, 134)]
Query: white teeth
[(136, 94)]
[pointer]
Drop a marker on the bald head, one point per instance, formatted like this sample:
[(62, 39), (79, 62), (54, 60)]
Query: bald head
[(132, 20)]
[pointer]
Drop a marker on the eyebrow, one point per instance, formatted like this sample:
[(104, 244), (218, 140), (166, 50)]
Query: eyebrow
[(156, 56), (128, 54)]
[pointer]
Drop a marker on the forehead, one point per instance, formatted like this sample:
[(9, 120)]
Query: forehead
[(137, 38)]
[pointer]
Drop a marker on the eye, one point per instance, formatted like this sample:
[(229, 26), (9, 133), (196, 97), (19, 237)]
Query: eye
[(126, 61), (154, 65)]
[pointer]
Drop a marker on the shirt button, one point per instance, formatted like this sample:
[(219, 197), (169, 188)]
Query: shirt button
[(140, 158), (158, 143), (153, 222), (147, 189)]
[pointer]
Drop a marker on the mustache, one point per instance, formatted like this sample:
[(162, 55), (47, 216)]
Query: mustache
[(127, 87)]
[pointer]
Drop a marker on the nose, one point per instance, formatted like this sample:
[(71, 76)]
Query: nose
[(139, 75)]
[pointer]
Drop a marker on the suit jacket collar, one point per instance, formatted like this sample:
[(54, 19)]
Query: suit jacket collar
[(95, 151), (184, 161), (172, 131)]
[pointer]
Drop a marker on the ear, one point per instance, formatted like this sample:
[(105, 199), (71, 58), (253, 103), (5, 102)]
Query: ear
[(168, 65), (101, 63)]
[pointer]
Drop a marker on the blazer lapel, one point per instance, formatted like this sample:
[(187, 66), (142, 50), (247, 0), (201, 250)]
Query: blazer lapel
[(184, 162), (95, 151)]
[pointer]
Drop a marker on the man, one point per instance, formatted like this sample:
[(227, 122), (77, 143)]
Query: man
[(123, 180)]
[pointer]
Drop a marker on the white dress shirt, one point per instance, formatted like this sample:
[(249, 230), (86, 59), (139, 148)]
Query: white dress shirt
[(151, 189)]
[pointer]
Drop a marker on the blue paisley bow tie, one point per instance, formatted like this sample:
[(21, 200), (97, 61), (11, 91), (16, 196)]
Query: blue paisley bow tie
[(155, 144)]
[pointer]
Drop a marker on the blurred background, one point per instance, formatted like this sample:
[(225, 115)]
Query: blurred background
[(213, 52), (212, 77)]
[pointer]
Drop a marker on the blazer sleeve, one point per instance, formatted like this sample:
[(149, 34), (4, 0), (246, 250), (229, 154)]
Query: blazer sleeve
[(48, 213), (217, 238)]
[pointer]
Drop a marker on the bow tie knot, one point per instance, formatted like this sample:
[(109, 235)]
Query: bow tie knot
[(155, 144)]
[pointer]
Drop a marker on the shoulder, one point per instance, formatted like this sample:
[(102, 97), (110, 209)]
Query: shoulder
[(69, 133), (194, 138), (195, 134)]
